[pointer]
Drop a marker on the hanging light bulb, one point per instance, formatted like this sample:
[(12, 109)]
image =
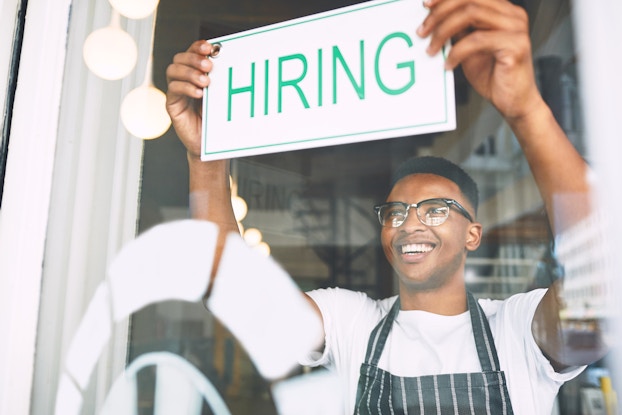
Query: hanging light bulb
[(135, 9), (110, 52), (253, 236), (143, 111), (240, 209), (233, 186), (264, 248)]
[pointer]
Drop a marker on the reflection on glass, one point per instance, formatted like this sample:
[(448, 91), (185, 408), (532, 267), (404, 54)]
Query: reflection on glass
[(313, 208)]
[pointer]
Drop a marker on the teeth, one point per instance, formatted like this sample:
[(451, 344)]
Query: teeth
[(416, 248)]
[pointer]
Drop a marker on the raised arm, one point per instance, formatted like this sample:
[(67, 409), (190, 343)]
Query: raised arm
[(210, 195), (491, 42)]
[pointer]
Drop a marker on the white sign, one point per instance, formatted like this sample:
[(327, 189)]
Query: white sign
[(353, 74)]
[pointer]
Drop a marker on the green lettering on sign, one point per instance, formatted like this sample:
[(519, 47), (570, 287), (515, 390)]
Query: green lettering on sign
[(250, 88), (292, 82), (408, 64), (359, 87)]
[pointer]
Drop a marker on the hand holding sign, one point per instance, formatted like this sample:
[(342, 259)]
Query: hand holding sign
[(187, 77), (494, 52)]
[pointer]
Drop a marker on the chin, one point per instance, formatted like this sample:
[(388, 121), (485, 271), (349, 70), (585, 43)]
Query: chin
[(420, 285)]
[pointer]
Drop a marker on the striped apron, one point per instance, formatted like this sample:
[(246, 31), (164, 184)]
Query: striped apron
[(380, 392)]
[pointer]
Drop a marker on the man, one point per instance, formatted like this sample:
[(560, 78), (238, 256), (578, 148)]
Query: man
[(416, 353)]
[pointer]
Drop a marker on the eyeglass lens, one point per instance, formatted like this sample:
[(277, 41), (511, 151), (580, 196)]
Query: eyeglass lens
[(430, 212)]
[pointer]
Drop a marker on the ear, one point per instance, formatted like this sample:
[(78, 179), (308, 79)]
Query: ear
[(474, 236)]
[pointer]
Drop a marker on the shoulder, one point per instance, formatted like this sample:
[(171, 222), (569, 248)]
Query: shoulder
[(522, 305), (348, 317), (510, 322), (511, 319), (349, 306), (348, 299)]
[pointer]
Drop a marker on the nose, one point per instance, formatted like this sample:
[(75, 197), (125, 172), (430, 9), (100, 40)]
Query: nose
[(412, 222)]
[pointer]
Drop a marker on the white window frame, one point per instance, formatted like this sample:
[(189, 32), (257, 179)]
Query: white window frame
[(23, 216), (70, 199), (8, 16)]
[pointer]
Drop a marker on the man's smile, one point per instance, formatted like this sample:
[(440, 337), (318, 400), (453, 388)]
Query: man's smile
[(417, 248)]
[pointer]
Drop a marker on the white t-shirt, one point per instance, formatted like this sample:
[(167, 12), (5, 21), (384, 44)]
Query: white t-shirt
[(422, 343)]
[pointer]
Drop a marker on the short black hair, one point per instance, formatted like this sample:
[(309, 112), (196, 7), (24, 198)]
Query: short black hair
[(440, 167)]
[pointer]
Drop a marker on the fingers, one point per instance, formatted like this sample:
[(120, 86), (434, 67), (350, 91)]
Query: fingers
[(509, 50), (454, 19), (201, 47), (187, 74), (192, 78)]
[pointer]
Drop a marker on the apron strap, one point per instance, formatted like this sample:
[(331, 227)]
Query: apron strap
[(378, 336), (484, 342)]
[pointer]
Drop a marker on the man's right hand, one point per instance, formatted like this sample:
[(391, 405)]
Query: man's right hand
[(210, 196), (186, 78)]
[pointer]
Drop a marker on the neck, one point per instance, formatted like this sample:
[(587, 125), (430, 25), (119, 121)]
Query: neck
[(447, 301)]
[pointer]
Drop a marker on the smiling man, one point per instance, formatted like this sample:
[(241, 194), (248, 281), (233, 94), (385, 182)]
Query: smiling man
[(434, 348), (425, 255)]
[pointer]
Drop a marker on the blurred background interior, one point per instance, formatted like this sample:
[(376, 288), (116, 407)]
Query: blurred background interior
[(314, 207)]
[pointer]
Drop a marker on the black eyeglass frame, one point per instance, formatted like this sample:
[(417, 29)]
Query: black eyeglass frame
[(407, 206)]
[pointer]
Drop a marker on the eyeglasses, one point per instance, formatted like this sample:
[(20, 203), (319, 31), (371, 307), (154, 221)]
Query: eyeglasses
[(431, 212)]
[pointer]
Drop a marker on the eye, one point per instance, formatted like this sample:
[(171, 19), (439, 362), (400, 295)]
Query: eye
[(437, 211), (393, 212)]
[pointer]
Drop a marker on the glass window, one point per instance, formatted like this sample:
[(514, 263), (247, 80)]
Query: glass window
[(312, 210)]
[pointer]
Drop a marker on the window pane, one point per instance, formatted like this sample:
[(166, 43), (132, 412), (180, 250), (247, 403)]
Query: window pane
[(313, 208)]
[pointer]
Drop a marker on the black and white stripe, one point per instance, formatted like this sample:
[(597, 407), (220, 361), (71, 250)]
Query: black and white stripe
[(380, 392)]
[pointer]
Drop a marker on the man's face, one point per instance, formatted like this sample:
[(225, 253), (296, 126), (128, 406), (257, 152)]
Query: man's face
[(428, 257)]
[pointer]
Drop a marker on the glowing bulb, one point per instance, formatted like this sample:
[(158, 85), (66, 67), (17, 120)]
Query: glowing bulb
[(252, 236), (143, 112), (264, 248), (233, 186), (110, 52), (240, 209), (135, 9)]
